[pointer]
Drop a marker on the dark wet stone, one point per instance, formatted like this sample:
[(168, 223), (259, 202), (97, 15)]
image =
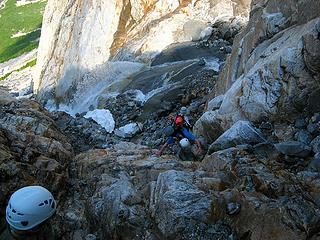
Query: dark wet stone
[(233, 208), (313, 101), (303, 136), (293, 148), (185, 51), (313, 129), (314, 165), (300, 123), (316, 145), (266, 126)]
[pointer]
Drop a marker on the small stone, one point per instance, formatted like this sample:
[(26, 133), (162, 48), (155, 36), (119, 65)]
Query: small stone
[(303, 136), (233, 208), (228, 49), (315, 144), (266, 126), (202, 62), (300, 123), (316, 118), (314, 165), (131, 104), (91, 237), (313, 128), (71, 216)]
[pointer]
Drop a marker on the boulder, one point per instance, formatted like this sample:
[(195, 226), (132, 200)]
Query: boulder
[(128, 130), (115, 206), (313, 129), (177, 205), (219, 161), (300, 123), (208, 126), (233, 208), (193, 29), (242, 132), (215, 103), (314, 165), (293, 148), (303, 136)]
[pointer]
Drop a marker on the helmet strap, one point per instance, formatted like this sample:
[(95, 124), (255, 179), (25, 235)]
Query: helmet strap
[(21, 235)]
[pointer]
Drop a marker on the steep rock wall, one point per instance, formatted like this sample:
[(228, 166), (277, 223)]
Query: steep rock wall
[(267, 19), (78, 35), (273, 71)]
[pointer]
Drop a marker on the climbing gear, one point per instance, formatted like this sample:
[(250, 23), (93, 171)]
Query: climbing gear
[(179, 121), (168, 131), (184, 143), (30, 206)]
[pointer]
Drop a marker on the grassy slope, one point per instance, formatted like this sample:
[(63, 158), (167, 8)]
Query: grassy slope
[(29, 64), (14, 19)]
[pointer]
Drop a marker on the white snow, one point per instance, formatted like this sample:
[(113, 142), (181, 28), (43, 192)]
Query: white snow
[(213, 63), (140, 97), (103, 117), (128, 130)]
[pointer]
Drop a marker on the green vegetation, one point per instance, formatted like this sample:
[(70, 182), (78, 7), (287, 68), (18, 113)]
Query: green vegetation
[(29, 64), (26, 19)]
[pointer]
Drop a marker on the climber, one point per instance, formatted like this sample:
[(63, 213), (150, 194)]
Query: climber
[(178, 132), (183, 113), (28, 210)]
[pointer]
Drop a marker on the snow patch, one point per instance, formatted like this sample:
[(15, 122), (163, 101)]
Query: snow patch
[(213, 64), (103, 117), (128, 130)]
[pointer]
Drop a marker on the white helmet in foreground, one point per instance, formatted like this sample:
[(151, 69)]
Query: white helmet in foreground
[(184, 143), (30, 206)]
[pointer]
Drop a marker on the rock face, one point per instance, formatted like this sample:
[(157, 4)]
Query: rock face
[(138, 192), (124, 191), (172, 209), (32, 149), (272, 60), (119, 30)]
